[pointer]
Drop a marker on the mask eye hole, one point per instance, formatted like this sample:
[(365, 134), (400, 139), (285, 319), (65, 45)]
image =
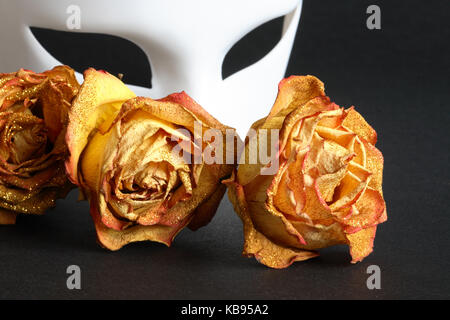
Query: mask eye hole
[(100, 51), (252, 47)]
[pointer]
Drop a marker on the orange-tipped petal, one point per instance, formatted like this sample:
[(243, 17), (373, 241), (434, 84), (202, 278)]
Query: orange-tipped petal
[(361, 243), (357, 124), (114, 240), (255, 243), (366, 212), (296, 91)]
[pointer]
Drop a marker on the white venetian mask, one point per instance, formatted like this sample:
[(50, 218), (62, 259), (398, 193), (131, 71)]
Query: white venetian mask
[(185, 41)]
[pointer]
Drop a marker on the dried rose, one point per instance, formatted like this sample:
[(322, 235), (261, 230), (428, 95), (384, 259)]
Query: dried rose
[(122, 156), (327, 188), (33, 118)]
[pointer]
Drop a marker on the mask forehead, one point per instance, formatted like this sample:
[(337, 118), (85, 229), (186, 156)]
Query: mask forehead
[(185, 42)]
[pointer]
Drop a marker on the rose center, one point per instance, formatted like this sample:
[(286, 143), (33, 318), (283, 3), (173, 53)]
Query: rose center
[(155, 181), (27, 142)]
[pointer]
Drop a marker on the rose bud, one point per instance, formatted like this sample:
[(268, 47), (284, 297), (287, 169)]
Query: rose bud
[(33, 119), (326, 188), (124, 158)]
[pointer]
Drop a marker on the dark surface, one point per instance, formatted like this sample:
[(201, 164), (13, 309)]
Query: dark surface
[(398, 79)]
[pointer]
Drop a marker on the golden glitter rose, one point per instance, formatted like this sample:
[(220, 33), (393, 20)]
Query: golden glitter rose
[(33, 118), (327, 188), (122, 157)]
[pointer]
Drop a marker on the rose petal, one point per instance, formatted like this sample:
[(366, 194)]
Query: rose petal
[(56, 98), (37, 204), (97, 102), (322, 234), (361, 243), (296, 91), (375, 166), (357, 124), (255, 243), (114, 240), (365, 212), (205, 212)]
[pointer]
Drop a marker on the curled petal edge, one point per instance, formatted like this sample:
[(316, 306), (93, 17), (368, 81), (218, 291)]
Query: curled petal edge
[(255, 243), (114, 240)]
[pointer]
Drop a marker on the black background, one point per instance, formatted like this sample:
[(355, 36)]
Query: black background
[(397, 77)]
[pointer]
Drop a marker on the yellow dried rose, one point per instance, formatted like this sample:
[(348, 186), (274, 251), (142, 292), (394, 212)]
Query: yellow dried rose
[(327, 186), (122, 156), (33, 118)]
